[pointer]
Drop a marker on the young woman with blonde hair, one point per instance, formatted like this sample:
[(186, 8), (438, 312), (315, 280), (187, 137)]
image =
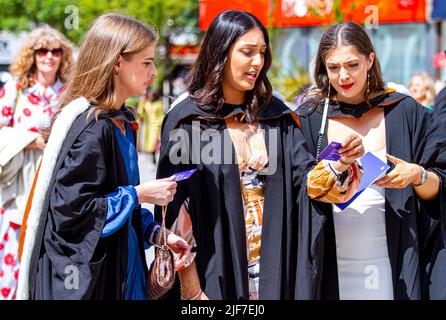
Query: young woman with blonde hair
[(27, 103), (422, 88), (86, 232)]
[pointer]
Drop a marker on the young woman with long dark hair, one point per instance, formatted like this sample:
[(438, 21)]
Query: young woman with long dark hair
[(385, 244), (246, 205)]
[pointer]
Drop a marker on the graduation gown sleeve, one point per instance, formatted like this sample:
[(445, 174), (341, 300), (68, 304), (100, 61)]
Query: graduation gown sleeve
[(429, 145), (440, 106), (174, 157)]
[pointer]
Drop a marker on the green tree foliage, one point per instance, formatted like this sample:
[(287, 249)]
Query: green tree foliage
[(24, 15), (288, 82), (73, 17)]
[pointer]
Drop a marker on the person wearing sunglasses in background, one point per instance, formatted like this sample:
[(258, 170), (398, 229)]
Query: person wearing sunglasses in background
[(27, 103)]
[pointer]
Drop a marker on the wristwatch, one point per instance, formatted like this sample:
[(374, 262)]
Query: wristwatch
[(424, 176)]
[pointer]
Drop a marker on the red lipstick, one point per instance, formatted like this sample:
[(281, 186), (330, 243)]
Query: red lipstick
[(347, 86)]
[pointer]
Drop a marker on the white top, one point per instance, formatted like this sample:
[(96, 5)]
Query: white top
[(364, 271)]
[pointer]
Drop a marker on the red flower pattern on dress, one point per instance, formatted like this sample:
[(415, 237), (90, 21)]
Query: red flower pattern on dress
[(2, 273), (48, 110), (62, 88), (2, 211), (5, 292), (2, 92), (6, 237), (7, 111), (9, 259), (2, 246), (37, 106), (16, 274), (33, 99), (26, 112), (14, 226)]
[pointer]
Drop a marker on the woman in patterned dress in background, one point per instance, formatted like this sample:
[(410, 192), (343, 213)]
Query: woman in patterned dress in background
[(27, 103)]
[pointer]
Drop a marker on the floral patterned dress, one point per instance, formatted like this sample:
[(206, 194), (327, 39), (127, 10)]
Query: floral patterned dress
[(25, 109)]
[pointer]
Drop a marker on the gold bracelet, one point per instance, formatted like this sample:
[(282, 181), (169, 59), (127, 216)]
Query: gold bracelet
[(195, 297), (199, 294), (190, 284)]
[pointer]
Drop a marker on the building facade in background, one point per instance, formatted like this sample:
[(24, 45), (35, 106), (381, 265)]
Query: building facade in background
[(406, 33)]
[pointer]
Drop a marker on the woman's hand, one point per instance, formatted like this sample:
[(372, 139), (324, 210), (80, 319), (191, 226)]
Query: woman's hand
[(351, 149), (202, 296), (180, 249), (38, 144), (190, 284), (159, 192), (401, 176)]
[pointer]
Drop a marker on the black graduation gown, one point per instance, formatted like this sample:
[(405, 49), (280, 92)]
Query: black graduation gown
[(440, 106), (414, 229), (89, 167), (216, 208)]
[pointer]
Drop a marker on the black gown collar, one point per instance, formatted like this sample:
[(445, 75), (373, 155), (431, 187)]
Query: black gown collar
[(342, 109), (124, 113), (275, 109)]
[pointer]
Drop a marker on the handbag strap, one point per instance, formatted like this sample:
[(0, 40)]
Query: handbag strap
[(19, 94), (322, 128), (162, 236)]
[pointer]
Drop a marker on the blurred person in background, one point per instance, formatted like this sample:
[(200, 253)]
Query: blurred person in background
[(151, 114), (27, 103), (422, 88)]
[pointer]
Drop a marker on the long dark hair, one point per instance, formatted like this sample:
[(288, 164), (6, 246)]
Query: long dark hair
[(347, 33), (207, 73)]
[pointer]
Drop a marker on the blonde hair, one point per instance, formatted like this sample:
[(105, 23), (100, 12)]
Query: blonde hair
[(439, 85), (428, 83), (23, 68), (110, 36)]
